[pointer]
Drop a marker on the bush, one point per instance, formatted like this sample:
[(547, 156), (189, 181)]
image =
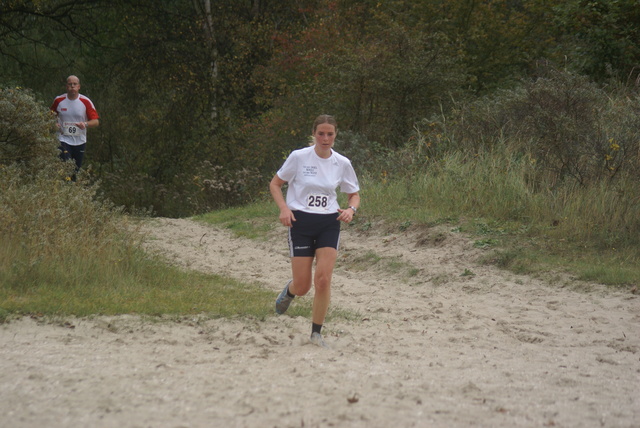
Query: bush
[(47, 222), (559, 154), (572, 129), (204, 188), (52, 217), (26, 130), (365, 155)]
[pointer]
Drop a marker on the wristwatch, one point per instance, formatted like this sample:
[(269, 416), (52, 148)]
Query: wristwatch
[(354, 210)]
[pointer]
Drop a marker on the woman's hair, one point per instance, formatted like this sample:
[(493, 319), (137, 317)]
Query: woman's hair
[(324, 118)]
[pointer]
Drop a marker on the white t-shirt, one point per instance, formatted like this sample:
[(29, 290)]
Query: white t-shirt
[(313, 180)]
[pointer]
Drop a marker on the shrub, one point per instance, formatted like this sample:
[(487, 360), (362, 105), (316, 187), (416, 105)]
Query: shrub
[(51, 216), (26, 130), (571, 128), (204, 188), (559, 154), (47, 222), (365, 155)]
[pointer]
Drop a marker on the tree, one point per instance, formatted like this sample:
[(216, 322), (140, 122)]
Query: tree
[(42, 39), (601, 38), (377, 73)]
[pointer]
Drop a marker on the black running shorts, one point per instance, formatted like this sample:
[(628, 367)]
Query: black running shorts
[(312, 231)]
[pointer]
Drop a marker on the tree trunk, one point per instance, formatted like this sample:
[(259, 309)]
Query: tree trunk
[(203, 7)]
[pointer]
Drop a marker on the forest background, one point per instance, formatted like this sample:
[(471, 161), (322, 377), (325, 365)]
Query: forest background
[(516, 104)]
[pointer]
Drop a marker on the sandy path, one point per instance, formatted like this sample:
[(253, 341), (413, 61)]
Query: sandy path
[(431, 349)]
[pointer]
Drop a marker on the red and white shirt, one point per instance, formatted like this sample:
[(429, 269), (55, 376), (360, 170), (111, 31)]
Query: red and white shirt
[(71, 112)]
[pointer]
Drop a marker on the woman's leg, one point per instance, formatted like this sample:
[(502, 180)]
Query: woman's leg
[(301, 270), (325, 262)]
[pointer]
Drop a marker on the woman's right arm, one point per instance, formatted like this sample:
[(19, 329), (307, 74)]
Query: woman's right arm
[(275, 187)]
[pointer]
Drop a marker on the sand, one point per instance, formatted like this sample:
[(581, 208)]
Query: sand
[(430, 338)]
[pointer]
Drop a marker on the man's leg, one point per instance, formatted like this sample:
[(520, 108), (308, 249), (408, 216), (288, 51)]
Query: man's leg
[(65, 152), (77, 153)]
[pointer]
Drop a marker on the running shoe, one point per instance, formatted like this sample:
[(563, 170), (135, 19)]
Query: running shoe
[(283, 301), (316, 339)]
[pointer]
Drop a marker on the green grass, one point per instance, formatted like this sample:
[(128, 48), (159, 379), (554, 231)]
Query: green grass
[(253, 221), (372, 260), (591, 232), (83, 286), (65, 253)]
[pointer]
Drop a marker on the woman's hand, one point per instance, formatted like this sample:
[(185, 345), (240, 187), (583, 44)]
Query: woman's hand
[(286, 217), (346, 215)]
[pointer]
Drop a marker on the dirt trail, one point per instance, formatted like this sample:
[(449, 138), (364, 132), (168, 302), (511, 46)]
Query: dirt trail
[(432, 339)]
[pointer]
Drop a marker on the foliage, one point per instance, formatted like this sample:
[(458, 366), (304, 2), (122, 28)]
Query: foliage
[(52, 217), (375, 75), (237, 84), (558, 151), (205, 188), (499, 40), (567, 126), (26, 130), (591, 230), (365, 155), (183, 142), (44, 39), (45, 219), (601, 37)]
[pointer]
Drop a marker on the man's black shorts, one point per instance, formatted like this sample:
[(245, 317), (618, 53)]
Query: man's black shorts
[(312, 231)]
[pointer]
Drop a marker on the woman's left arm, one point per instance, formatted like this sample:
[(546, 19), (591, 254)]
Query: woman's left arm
[(353, 200)]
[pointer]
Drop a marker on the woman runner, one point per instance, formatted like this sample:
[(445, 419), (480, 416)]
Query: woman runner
[(313, 216)]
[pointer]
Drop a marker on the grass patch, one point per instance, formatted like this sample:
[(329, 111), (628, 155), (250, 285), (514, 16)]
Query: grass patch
[(343, 315), (590, 232), (485, 243), (64, 252), (613, 267), (372, 260), (359, 263), (146, 287), (253, 221)]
